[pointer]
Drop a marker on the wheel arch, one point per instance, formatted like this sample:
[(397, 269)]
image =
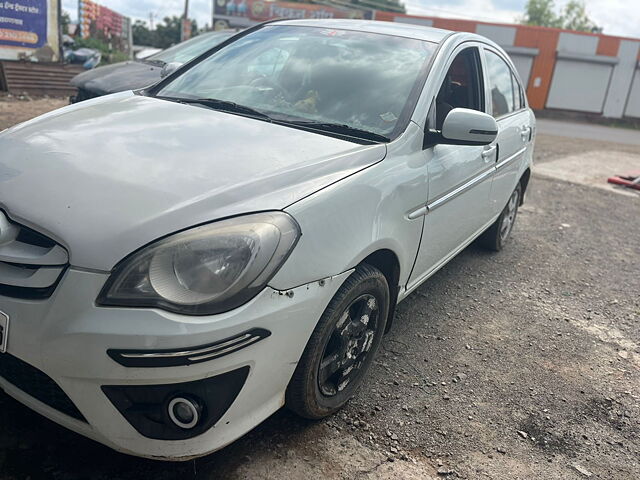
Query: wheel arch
[(524, 182), (388, 263)]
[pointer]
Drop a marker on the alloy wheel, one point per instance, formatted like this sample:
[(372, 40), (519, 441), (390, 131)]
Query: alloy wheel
[(509, 216), (349, 345)]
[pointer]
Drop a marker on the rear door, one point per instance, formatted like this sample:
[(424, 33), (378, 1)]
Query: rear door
[(508, 106)]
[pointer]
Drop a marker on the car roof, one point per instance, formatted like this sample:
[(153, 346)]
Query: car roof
[(419, 32)]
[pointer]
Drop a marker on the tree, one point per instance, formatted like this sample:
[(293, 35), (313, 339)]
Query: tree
[(141, 34), (573, 16), (541, 13), (165, 34), (65, 21), (168, 33), (109, 55)]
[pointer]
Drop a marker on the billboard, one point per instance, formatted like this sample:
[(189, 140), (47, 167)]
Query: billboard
[(29, 30), (103, 23), (244, 13)]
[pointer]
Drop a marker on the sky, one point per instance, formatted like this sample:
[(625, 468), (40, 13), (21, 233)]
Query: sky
[(618, 17)]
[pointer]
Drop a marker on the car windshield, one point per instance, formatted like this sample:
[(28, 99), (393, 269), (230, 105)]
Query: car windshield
[(185, 51), (313, 76)]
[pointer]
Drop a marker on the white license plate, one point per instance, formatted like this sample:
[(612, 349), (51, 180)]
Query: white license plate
[(4, 331)]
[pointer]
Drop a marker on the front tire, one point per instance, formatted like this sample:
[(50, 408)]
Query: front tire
[(342, 346), (497, 235)]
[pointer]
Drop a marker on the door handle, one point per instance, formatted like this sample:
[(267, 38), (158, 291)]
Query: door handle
[(524, 133), (488, 152)]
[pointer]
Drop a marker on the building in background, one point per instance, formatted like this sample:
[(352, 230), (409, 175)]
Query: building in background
[(244, 13), (594, 74), (100, 22)]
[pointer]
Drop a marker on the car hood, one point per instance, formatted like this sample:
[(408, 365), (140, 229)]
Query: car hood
[(118, 77), (107, 176)]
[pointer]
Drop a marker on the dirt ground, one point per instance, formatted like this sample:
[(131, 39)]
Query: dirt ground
[(15, 109), (518, 365)]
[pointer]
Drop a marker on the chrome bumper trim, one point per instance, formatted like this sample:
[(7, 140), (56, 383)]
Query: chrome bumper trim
[(181, 357)]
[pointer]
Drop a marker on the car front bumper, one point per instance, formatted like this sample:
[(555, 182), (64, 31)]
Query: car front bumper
[(67, 338)]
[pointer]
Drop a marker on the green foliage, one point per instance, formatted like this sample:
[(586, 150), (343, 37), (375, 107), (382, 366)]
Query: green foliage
[(168, 34), (108, 55), (117, 57), (94, 43), (165, 34), (141, 34), (65, 20), (573, 16), (541, 13)]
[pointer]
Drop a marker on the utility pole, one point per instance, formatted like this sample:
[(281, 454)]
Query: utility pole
[(151, 15), (185, 33)]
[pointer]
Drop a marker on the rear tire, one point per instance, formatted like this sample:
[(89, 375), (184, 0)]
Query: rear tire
[(342, 346), (496, 236)]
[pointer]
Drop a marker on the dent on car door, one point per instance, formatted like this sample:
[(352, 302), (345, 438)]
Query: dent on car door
[(459, 176), (514, 130)]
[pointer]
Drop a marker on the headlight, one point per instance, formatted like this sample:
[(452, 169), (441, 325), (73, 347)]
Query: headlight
[(205, 270)]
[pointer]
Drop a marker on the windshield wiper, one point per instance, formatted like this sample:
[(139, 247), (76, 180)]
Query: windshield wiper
[(341, 129), (232, 107), (223, 105)]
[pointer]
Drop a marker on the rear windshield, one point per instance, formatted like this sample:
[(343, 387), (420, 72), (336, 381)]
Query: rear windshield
[(363, 80)]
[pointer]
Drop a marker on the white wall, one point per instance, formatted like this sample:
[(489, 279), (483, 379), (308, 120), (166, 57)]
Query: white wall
[(621, 79), (633, 103), (579, 85)]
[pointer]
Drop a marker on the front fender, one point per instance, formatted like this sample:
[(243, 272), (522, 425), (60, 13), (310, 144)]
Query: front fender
[(366, 212)]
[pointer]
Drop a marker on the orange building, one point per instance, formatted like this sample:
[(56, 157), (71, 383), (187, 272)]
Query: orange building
[(563, 70)]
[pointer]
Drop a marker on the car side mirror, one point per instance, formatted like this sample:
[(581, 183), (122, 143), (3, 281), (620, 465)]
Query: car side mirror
[(463, 126), (169, 68)]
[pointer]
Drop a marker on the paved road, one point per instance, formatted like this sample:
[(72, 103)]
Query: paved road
[(563, 128)]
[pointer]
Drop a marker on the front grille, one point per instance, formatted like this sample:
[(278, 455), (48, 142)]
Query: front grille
[(31, 264), (37, 384)]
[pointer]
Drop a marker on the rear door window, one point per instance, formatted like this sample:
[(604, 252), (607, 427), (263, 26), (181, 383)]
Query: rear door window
[(505, 96), (518, 92)]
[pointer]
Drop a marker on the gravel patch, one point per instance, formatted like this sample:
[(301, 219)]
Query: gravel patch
[(522, 364)]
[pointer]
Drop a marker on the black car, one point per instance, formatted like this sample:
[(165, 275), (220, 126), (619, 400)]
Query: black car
[(135, 74)]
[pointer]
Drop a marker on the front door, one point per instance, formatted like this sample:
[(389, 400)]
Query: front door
[(459, 176)]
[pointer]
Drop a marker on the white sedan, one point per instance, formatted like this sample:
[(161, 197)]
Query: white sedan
[(178, 263)]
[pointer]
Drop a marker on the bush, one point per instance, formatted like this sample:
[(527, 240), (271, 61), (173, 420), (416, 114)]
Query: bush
[(108, 55)]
